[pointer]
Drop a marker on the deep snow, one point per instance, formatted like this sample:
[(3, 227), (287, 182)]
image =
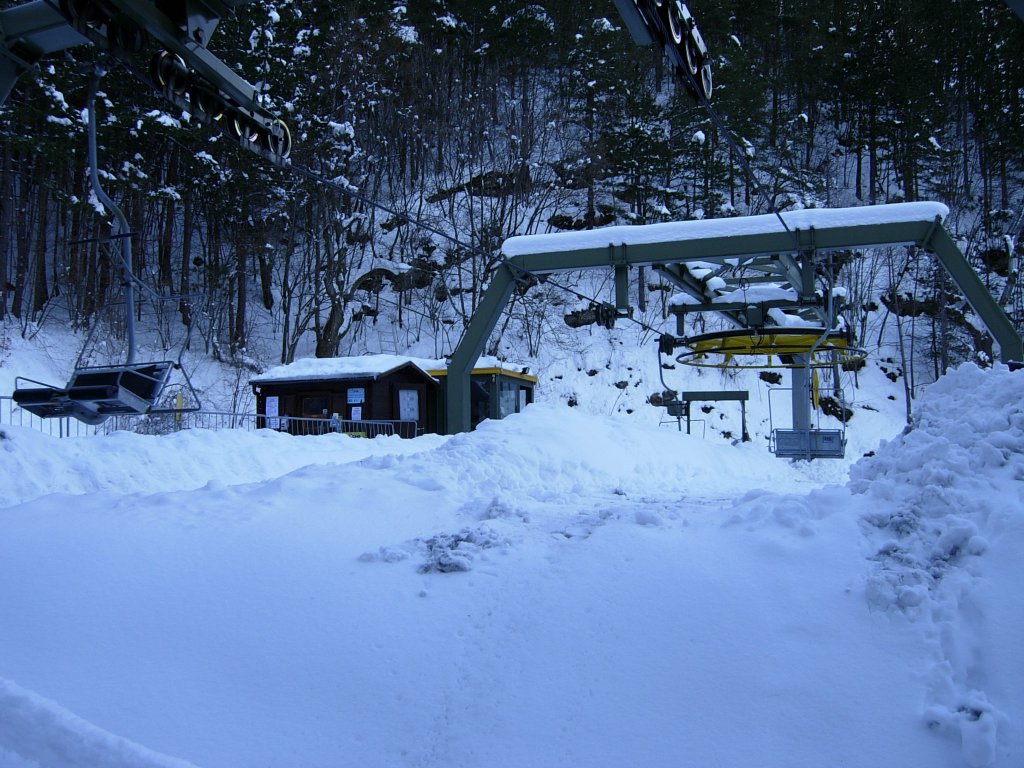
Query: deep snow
[(559, 588)]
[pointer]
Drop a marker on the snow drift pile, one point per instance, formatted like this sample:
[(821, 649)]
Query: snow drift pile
[(622, 594), (946, 519)]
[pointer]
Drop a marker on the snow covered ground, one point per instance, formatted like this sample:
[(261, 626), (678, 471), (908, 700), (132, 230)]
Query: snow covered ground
[(559, 588)]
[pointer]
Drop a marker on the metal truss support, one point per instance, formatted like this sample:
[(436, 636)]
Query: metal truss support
[(758, 243), (472, 345), (992, 315), (801, 395), (27, 33)]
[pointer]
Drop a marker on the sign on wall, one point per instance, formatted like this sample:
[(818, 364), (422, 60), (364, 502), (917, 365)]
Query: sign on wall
[(272, 408)]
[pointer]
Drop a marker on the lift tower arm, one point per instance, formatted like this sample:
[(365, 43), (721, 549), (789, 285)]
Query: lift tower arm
[(28, 33), (670, 24), (185, 72)]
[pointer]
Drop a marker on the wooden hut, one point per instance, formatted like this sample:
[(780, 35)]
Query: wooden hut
[(380, 394), (368, 396)]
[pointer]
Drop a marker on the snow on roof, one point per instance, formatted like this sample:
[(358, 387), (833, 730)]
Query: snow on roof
[(756, 293), (820, 218), (309, 368), (749, 295), (362, 366)]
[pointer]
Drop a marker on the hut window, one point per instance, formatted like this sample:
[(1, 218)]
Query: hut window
[(507, 397), (314, 406)]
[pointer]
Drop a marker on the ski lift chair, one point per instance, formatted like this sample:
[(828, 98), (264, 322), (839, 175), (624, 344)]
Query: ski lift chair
[(94, 393)]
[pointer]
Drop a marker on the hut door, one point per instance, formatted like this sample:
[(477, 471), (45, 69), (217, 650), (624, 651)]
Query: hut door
[(408, 405)]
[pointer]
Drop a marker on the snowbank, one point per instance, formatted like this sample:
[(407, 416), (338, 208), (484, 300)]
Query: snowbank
[(621, 594), (945, 521), (45, 733), (33, 464)]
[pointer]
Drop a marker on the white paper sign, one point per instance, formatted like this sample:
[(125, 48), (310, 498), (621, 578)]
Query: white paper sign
[(272, 407)]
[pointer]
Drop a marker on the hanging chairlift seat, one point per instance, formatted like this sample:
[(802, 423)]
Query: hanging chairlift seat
[(808, 443), (95, 393)]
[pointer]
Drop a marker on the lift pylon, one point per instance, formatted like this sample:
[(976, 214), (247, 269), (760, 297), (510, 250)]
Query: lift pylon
[(700, 258)]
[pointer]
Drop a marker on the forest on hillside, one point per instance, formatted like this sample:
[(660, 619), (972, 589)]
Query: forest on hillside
[(483, 120)]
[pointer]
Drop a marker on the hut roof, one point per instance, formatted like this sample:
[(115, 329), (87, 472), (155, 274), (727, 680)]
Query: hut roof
[(340, 368), (373, 367)]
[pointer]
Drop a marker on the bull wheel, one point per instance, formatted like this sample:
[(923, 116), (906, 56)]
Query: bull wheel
[(205, 105), (692, 57), (706, 82), (243, 128), (676, 23)]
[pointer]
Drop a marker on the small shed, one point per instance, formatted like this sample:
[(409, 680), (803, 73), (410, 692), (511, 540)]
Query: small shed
[(368, 396), (496, 391), (381, 394)]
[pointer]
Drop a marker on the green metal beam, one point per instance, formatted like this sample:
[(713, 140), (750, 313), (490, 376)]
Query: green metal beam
[(681, 278), (1011, 349), (663, 246), (472, 345), (742, 306), (670, 251), (27, 33)]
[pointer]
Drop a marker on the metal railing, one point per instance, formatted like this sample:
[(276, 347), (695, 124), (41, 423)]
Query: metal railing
[(165, 423), (13, 415)]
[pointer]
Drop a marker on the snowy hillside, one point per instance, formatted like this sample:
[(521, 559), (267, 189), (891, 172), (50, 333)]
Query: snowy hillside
[(559, 588)]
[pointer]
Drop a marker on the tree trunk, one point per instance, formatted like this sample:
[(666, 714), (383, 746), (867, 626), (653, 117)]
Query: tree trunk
[(164, 260), (238, 339), (40, 290), (185, 285), (23, 232), (329, 337), (266, 277), (6, 226)]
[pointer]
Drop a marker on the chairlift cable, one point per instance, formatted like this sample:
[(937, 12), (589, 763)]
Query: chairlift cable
[(286, 165), (744, 160), (347, 190)]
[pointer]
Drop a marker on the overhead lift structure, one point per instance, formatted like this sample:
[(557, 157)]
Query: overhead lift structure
[(174, 33), (748, 250), (95, 393)]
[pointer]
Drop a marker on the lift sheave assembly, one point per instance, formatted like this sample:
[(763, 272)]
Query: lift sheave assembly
[(766, 276), (163, 42)]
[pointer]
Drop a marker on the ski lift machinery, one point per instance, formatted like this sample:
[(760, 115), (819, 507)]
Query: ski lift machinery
[(188, 76), (94, 393), (762, 277), (774, 249)]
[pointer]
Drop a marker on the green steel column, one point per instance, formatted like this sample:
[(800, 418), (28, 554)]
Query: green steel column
[(1011, 349), (472, 344), (801, 394), (622, 289)]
